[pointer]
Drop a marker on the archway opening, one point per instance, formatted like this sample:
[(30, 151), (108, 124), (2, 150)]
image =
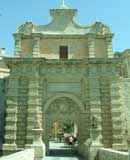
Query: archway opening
[(60, 131), (63, 137), (62, 123)]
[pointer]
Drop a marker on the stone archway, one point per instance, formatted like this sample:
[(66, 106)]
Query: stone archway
[(67, 95), (59, 108)]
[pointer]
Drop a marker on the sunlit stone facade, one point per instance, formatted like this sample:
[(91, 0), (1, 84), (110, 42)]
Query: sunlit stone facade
[(65, 71)]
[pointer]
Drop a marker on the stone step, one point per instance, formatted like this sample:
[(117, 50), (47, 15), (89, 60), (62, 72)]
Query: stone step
[(64, 158), (63, 152)]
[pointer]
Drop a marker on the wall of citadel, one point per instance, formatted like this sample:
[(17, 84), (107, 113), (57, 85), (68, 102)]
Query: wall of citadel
[(2, 109), (89, 82)]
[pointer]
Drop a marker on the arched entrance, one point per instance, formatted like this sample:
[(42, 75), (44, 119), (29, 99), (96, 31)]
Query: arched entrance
[(61, 108)]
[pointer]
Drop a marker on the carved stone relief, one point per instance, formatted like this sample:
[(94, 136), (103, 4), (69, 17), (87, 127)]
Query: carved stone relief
[(63, 106)]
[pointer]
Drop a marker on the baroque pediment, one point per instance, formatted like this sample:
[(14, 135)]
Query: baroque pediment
[(63, 23)]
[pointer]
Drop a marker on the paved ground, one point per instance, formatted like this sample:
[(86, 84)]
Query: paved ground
[(61, 151), (61, 146), (63, 158)]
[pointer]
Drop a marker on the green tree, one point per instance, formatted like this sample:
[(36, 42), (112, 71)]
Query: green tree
[(68, 127)]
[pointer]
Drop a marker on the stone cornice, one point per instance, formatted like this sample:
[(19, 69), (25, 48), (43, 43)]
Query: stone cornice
[(108, 35), (48, 36), (10, 61), (57, 36)]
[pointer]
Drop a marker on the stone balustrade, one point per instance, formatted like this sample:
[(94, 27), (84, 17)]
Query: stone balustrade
[(22, 155), (109, 154)]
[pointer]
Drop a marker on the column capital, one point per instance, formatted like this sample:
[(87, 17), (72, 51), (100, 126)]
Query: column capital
[(36, 34), (17, 36), (36, 38)]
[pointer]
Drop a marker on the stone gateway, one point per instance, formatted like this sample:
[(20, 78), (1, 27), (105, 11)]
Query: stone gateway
[(64, 71)]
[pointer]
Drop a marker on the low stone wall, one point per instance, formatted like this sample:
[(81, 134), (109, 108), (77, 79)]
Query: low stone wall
[(27, 154), (109, 154)]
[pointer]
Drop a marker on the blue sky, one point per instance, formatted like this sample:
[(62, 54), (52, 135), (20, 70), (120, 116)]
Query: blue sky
[(115, 13)]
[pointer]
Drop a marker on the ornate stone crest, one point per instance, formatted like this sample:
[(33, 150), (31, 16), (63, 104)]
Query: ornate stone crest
[(26, 28), (100, 28)]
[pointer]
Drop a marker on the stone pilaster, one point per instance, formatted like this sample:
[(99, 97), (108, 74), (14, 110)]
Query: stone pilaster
[(38, 145), (91, 46), (96, 119), (2, 108), (22, 111), (109, 47), (106, 111), (117, 116), (33, 103), (17, 48), (36, 45), (126, 101), (95, 103), (11, 119), (85, 117)]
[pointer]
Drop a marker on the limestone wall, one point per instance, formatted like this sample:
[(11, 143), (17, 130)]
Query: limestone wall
[(49, 48), (100, 48), (27, 154), (125, 85), (77, 48), (126, 63), (4, 72), (22, 112), (2, 109), (109, 154), (33, 85), (27, 47), (106, 111)]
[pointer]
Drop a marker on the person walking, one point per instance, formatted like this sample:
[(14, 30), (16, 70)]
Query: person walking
[(70, 141)]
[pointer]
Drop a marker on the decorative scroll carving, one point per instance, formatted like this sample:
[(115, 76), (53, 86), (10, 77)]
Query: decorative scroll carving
[(26, 28), (100, 28)]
